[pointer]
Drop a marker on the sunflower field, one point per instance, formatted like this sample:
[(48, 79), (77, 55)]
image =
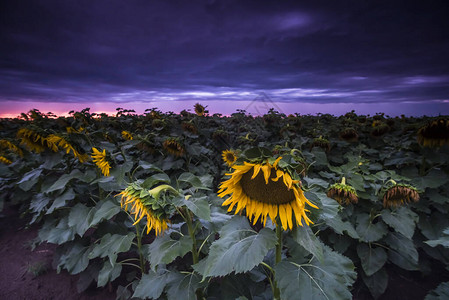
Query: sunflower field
[(201, 206)]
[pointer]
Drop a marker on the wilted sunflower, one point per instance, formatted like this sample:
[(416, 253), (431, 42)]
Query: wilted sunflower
[(147, 206), (400, 194), (5, 161), (229, 157), (55, 141), (100, 160), (5, 144), (343, 193), (199, 109), (349, 134), (73, 130), (321, 143), (189, 127), (434, 134), (379, 129), (264, 190), (127, 135), (32, 139), (174, 146)]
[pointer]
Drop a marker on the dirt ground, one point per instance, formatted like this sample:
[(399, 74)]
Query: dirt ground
[(27, 274)]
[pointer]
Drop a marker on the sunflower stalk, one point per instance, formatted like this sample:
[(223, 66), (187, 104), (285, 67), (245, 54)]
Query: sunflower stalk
[(139, 248), (276, 291)]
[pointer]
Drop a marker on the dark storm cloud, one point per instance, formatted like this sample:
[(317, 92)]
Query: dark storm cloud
[(317, 51)]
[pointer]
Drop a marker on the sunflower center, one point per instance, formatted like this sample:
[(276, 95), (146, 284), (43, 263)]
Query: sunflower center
[(230, 157), (275, 192)]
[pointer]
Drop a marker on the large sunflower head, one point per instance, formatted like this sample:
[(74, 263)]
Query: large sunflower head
[(349, 134), (174, 146), (54, 142), (229, 157), (343, 193), (263, 189), (399, 194), (127, 135), (33, 139), (142, 203), (199, 109), (100, 159), (4, 160), (189, 127), (322, 143), (5, 144), (380, 129), (434, 134)]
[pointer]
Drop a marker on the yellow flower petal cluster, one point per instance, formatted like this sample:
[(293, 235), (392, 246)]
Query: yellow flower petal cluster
[(435, 134), (5, 144), (99, 158), (174, 147), (54, 142), (199, 109), (32, 140), (127, 135), (135, 206), (5, 161), (229, 157), (263, 189)]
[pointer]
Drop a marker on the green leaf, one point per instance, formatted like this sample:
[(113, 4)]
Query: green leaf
[(402, 251), (193, 180), (61, 200), (58, 234), (316, 181), (239, 249), (402, 220), (330, 279), (328, 208), (154, 179), (79, 218), (164, 249), (111, 245), (38, 203), (320, 157), (152, 284), (440, 293), (148, 166), (443, 240), (435, 178), (108, 273), (372, 259), (183, 286), (120, 171), (368, 231), (199, 206), (63, 180), (304, 236), (105, 209), (376, 283), (340, 226), (75, 260), (29, 179)]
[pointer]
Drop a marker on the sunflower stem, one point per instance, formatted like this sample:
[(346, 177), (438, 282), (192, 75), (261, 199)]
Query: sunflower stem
[(195, 257), (139, 248), (276, 291)]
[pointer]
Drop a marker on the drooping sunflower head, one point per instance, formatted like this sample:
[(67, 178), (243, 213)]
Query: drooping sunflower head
[(158, 124), (189, 127), (343, 193), (5, 144), (199, 109), (380, 129), (33, 139), (263, 189), (174, 146), (229, 157), (101, 160), (349, 134), (4, 160), (434, 134), (322, 143), (220, 135), (127, 135), (142, 202), (399, 194), (55, 142)]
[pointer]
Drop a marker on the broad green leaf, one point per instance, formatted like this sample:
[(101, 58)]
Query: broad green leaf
[(193, 180), (148, 166), (330, 279), (152, 284), (58, 234), (183, 286), (402, 251), (304, 236), (111, 245), (340, 226), (154, 179), (377, 283), (440, 293), (368, 231), (120, 171), (105, 209), (320, 157), (61, 200), (432, 225), (164, 249), (316, 181), (63, 180), (197, 205), (79, 218), (108, 273), (38, 203), (239, 249), (435, 178), (29, 179), (328, 208), (75, 260), (372, 259), (356, 181), (443, 240), (402, 220)]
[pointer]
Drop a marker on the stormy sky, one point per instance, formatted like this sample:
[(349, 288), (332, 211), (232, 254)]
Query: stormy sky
[(389, 54)]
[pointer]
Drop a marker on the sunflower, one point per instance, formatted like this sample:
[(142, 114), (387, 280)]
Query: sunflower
[(322, 143), (73, 130), (127, 135), (229, 157), (5, 161), (400, 194), (264, 190), (99, 159), (5, 144), (380, 129), (189, 127), (174, 146), (199, 109), (32, 139), (146, 206), (349, 134), (343, 193), (434, 134), (55, 141)]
